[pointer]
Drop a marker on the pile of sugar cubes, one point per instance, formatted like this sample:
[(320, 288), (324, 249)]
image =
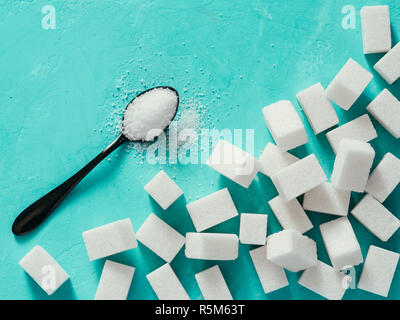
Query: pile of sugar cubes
[(288, 249)]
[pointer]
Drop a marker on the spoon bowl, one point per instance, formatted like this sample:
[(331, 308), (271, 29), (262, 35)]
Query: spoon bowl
[(38, 211)]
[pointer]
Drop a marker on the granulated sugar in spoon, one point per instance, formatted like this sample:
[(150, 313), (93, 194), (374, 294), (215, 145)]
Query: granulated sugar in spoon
[(145, 118)]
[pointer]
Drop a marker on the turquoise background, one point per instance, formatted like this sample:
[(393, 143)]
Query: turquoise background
[(59, 89)]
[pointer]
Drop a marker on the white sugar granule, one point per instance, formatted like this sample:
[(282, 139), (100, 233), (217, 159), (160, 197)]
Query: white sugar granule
[(149, 114)]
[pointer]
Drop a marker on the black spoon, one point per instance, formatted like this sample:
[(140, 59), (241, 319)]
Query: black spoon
[(38, 211)]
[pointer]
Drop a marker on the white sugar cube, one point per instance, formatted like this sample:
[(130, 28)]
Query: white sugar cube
[(376, 218), (290, 214), (42, 268), (285, 125), (212, 284), (163, 189), (317, 107), (115, 281), (324, 280), (389, 65), (360, 129), (378, 271), (299, 177), (352, 165), (211, 246), (212, 210), (385, 108), (291, 250), (160, 238), (341, 243), (375, 25), (272, 160), (166, 284), (233, 163), (327, 199), (272, 276), (384, 178), (253, 228), (349, 84), (109, 239)]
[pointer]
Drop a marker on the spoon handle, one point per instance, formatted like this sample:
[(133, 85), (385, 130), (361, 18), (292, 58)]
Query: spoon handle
[(38, 211)]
